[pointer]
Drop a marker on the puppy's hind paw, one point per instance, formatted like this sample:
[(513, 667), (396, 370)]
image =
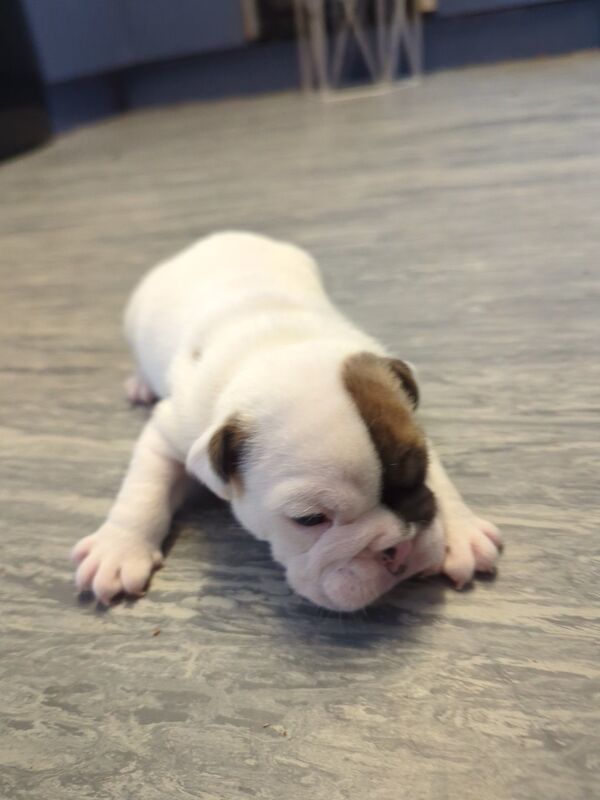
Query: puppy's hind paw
[(138, 391)]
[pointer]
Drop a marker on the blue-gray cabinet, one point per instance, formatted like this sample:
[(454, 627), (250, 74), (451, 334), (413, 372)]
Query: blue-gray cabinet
[(161, 29), (450, 8), (78, 38)]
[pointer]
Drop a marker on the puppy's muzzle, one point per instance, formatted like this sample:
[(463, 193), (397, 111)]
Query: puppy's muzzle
[(341, 545)]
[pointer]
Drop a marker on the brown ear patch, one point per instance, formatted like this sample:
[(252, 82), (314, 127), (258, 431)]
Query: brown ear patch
[(227, 447), (385, 408), (404, 374)]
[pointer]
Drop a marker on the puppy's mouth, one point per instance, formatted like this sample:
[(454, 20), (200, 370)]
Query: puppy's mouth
[(398, 571)]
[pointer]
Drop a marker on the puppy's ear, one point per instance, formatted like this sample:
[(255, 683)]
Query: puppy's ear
[(405, 375), (216, 457)]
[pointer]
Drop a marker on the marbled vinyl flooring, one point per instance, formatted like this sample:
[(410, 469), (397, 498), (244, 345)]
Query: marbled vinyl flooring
[(458, 220)]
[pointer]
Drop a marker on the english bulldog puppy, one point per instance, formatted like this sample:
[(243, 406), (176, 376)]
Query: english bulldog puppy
[(272, 399)]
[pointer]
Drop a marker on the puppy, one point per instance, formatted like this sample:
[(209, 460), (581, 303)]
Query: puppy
[(277, 403)]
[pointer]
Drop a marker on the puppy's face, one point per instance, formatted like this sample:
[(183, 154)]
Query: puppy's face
[(330, 469)]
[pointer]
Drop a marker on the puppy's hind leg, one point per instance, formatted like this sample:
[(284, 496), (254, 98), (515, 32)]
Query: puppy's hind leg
[(138, 391)]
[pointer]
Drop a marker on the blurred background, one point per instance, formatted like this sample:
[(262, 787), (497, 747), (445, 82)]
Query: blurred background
[(68, 62)]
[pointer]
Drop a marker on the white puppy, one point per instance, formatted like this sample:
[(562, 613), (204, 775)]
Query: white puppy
[(278, 404)]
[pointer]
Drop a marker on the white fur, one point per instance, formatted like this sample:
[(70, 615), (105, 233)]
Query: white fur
[(239, 324)]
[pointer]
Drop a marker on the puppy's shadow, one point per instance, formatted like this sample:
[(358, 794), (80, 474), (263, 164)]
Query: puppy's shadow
[(239, 571)]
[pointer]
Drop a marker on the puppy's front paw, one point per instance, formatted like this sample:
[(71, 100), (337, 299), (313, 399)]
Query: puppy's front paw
[(113, 561), (472, 545)]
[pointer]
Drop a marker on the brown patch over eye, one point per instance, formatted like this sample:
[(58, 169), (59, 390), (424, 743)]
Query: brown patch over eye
[(385, 407)]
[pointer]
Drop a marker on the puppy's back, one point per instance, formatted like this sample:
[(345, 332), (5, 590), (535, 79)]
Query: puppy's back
[(210, 279)]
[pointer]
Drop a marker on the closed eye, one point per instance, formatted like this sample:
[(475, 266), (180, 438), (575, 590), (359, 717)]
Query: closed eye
[(310, 520)]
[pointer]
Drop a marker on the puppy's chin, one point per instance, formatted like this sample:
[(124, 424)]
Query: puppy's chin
[(357, 583)]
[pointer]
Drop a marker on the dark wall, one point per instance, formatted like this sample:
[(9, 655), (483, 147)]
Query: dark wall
[(23, 118)]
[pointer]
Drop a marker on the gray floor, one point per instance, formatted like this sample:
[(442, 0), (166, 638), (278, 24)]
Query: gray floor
[(460, 221)]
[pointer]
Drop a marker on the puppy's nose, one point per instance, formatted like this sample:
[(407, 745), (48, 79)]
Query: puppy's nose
[(394, 558)]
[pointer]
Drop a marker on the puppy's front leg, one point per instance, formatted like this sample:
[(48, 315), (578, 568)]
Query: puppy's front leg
[(122, 554), (472, 543)]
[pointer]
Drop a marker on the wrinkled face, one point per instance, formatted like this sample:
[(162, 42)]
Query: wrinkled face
[(342, 548), (339, 494)]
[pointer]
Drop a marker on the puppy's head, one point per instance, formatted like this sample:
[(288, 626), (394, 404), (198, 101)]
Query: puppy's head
[(327, 463)]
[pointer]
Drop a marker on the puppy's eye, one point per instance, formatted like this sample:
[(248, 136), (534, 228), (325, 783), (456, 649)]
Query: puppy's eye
[(310, 520)]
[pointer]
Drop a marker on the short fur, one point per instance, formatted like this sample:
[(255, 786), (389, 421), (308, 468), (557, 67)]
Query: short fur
[(280, 405)]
